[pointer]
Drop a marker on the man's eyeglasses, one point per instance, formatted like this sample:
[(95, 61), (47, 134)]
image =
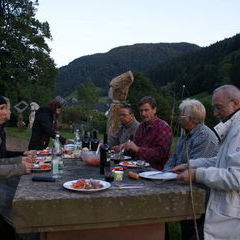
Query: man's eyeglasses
[(124, 114), (182, 116)]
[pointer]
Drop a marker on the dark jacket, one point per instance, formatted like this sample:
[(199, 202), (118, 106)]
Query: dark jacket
[(43, 129), (3, 151), (8, 185)]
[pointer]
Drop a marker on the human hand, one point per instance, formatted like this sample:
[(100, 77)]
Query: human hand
[(131, 146), (116, 148), (27, 159), (30, 153), (28, 167), (187, 175), (179, 168)]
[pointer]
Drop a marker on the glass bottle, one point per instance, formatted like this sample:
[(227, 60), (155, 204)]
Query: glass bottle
[(85, 141), (94, 141), (57, 160), (108, 169), (103, 153), (77, 140)]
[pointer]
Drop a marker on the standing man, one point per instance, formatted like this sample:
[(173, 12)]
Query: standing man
[(127, 129), (221, 173), (153, 137)]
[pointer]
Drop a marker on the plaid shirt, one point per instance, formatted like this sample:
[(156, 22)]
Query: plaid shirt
[(154, 139)]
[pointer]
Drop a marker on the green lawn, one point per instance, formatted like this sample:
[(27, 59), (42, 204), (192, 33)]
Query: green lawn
[(26, 133)]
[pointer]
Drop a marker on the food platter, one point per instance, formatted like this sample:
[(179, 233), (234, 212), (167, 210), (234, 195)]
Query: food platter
[(44, 159), (134, 164), (44, 152), (87, 185), (41, 167), (158, 175)]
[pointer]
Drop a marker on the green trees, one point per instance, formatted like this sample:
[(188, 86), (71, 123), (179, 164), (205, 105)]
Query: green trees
[(203, 70), (26, 69), (88, 92)]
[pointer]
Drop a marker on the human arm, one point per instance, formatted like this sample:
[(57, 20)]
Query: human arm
[(14, 160), (18, 169)]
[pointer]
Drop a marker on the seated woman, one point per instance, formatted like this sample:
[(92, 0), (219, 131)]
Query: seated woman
[(198, 141), (12, 164)]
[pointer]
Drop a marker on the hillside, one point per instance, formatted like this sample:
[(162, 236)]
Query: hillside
[(101, 68), (202, 70)]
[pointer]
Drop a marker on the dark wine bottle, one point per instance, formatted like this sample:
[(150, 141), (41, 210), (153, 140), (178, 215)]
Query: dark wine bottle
[(103, 153), (85, 141), (94, 141)]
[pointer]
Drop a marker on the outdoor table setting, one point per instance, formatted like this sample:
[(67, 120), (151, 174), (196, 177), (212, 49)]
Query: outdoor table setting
[(81, 201)]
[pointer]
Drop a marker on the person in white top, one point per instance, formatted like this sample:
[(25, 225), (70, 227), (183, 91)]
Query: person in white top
[(221, 173)]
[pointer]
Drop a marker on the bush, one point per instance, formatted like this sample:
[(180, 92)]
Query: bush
[(81, 117)]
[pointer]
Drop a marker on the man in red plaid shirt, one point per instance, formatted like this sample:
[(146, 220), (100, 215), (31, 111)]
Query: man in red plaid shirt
[(153, 137)]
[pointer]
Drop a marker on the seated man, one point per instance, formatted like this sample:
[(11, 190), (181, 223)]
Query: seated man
[(127, 130), (153, 137), (198, 141)]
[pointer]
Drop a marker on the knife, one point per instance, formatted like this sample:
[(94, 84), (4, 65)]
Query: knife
[(127, 187)]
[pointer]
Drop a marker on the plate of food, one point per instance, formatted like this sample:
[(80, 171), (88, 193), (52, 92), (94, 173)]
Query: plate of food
[(87, 185), (41, 167), (158, 175), (43, 159), (117, 158), (134, 164), (44, 152)]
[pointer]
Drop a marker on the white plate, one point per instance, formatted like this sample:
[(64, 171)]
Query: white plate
[(44, 159), (105, 185), (38, 169), (133, 164), (158, 175)]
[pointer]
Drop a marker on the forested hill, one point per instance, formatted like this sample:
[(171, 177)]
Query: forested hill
[(202, 70), (101, 68)]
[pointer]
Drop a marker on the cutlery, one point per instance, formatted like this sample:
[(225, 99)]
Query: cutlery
[(127, 187), (156, 173)]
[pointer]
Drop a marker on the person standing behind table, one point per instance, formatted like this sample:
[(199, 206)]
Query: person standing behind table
[(153, 137), (199, 141), (222, 172), (44, 126), (128, 128)]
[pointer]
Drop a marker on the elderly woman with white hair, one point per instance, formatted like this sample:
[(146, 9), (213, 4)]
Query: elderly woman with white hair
[(199, 139), (196, 139)]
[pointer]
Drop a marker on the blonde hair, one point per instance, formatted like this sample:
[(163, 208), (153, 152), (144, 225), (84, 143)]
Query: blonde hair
[(193, 109)]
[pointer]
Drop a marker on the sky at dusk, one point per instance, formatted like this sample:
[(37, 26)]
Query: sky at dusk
[(85, 27)]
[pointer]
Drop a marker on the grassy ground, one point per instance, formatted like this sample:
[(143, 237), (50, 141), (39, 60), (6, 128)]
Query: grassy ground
[(26, 133)]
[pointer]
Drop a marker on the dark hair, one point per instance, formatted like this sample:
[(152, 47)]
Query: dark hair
[(2, 100), (53, 105), (147, 99), (127, 106)]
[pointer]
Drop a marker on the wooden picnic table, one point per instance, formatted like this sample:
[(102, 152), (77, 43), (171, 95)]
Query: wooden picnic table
[(58, 213)]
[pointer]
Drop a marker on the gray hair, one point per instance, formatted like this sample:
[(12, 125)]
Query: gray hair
[(194, 109), (230, 91)]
